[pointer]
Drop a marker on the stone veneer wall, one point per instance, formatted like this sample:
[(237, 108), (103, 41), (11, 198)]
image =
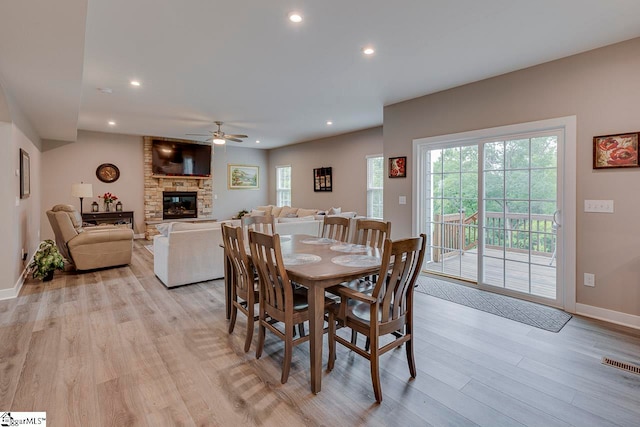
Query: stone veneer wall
[(153, 188)]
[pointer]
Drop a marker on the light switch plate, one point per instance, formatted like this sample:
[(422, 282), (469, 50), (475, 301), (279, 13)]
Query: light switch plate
[(402, 200), (598, 206)]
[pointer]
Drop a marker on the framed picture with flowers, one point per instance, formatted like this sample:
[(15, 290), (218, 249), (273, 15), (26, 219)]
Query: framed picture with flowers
[(615, 151), (398, 167)]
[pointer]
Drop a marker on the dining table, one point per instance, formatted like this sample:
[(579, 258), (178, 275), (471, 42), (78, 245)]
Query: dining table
[(318, 263)]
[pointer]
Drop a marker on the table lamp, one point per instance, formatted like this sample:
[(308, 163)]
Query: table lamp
[(82, 190)]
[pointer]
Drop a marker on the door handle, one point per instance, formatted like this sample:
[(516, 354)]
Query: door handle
[(555, 218)]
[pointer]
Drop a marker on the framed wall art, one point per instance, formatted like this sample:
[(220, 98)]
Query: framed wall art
[(25, 174), (243, 177), (322, 179), (615, 151), (398, 167)]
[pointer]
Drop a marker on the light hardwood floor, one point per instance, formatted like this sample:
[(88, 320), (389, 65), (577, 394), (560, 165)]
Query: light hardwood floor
[(116, 348)]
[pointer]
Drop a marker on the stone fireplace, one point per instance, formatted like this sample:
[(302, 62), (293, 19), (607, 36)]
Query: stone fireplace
[(156, 185), (179, 204)]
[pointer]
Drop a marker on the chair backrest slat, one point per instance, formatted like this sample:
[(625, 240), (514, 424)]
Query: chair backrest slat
[(401, 264), (262, 224), (275, 286), (336, 227), (372, 232), (241, 269)]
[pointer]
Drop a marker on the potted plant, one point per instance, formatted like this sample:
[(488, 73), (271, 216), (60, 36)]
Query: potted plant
[(46, 260), (241, 213)]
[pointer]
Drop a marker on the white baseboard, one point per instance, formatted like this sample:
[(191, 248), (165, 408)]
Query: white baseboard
[(611, 316), (15, 291)]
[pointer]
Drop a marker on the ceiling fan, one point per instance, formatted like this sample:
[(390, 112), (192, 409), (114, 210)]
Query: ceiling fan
[(218, 137)]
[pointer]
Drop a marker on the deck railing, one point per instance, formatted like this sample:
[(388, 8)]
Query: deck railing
[(455, 233)]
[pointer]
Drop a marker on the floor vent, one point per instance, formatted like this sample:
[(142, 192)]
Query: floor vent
[(634, 369)]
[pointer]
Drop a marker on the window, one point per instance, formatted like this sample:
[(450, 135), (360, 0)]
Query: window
[(375, 178), (283, 185)]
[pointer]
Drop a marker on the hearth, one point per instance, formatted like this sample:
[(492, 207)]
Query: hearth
[(179, 204)]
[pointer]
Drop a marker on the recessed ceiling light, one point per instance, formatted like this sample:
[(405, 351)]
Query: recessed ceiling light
[(329, 122), (295, 17), (368, 50), (112, 123), (257, 141), (135, 83)]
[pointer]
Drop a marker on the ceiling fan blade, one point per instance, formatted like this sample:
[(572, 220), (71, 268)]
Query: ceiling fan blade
[(229, 138), (236, 136), (196, 134)]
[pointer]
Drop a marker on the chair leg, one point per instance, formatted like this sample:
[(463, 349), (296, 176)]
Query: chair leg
[(410, 359), (288, 352), (332, 342), (354, 337), (250, 320), (261, 332), (234, 315), (367, 344), (375, 369), (301, 330)]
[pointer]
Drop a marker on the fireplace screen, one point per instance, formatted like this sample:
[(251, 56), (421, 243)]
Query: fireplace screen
[(179, 204)]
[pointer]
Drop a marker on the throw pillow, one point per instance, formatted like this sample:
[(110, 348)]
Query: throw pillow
[(266, 209), (287, 211), (306, 212), (334, 211), (276, 211), (347, 214)]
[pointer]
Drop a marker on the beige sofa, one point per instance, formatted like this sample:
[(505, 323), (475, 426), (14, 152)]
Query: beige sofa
[(291, 215), (91, 247), (192, 252)]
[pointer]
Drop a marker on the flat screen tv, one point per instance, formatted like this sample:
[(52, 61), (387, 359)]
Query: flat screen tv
[(180, 158)]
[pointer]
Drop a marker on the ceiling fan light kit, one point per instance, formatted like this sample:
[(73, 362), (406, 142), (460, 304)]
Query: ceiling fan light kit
[(218, 137)]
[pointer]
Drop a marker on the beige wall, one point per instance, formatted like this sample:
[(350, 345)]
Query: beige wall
[(345, 154), (75, 162), (601, 88), (229, 202), (19, 218), (69, 163)]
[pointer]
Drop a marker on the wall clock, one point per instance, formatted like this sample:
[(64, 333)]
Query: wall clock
[(108, 172)]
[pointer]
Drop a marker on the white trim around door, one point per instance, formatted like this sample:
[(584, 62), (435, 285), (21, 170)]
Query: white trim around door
[(567, 188)]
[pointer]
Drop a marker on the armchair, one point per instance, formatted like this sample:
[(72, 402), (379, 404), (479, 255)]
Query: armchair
[(93, 247)]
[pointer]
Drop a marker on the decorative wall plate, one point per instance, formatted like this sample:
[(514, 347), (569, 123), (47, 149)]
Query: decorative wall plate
[(108, 172)]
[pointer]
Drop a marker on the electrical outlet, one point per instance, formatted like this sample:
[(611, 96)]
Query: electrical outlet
[(589, 279)]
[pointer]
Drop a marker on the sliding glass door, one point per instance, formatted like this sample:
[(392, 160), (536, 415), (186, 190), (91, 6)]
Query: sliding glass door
[(491, 208), (520, 199)]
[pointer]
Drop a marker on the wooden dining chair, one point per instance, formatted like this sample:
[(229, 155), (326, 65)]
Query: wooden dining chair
[(279, 303), (244, 289), (336, 227), (387, 311), (372, 232), (262, 224)]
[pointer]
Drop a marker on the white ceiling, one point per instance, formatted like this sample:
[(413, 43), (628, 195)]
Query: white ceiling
[(243, 62)]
